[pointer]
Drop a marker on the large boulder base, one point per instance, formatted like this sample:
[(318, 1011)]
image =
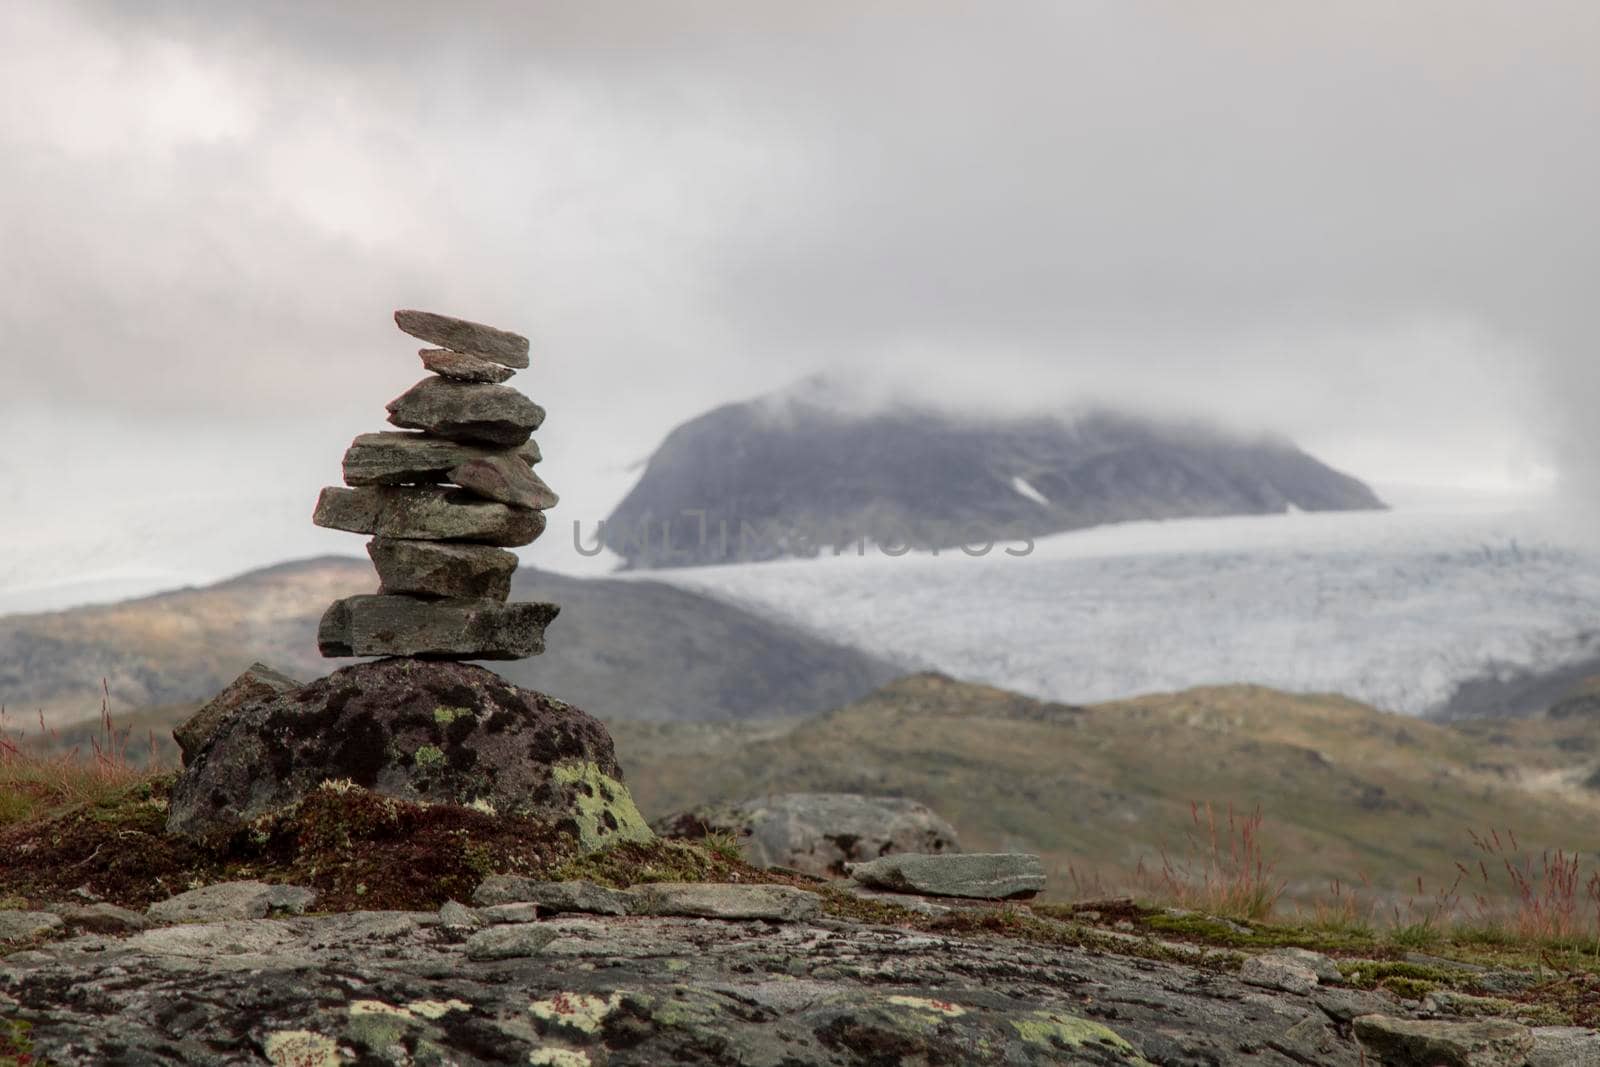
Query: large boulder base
[(433, 629), (467, 411), (448, 733), (462, 335), (817, 833), (258, 682), (426, 513)]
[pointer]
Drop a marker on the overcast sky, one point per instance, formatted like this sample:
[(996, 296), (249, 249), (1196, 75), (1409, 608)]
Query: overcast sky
[(1370, 226)]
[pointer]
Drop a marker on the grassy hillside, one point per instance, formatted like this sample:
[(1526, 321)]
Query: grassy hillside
[(619, 649), (1347, 792)]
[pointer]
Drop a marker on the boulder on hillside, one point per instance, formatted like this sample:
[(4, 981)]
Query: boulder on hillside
[(817, 833), (428, 732)]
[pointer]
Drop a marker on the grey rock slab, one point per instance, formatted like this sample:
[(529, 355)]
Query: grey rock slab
[(1564, 1046), (371, 625), (505, 480), (553, 897), (403, 457), (231, 900), (426, 513), (709, 900), (462, 335), (257, 682), (509, 941), (203, 941), (464, 367), (465, 411), (1326, 970), (102, 919), (418, 731), (18, 926), (1431, 1043), (1344, 1005), (1278, 972), (817, 833), (441, 569), (984, 875)]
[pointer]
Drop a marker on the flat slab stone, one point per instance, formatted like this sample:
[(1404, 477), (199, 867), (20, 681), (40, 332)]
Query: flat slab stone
[(256, 682), (433, 629), (464, 411), (1431, 1043), (462, 335), (442, 569), (462, 367), (506, 480), (554, 897), (226, 901), (401, 457), (27, 925), (509, 942), (710, 900), (426, 513), (985, 875)]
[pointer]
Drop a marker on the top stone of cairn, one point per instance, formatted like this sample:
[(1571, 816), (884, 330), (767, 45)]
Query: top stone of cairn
[(472, 338)]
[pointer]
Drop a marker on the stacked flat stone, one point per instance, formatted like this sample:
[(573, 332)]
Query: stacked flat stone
[(444, 497)]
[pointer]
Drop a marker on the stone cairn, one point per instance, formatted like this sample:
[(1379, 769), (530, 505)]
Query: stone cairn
[(443, 505)]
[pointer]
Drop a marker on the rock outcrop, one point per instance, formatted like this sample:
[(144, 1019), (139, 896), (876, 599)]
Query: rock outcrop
[(435, 547), (817, 833), (445, 732)]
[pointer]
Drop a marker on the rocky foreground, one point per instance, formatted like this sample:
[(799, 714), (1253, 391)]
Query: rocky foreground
[(574, 973)]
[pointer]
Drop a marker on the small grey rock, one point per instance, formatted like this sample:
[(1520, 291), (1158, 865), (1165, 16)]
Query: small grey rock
[(1344, 1005), (1431, 1043), (1326, 970), (103, 919), (231, 900), (1564, 1046), (509, 942), (817, 833), (441, 569), (400, 457), (18, 926), (454, 915), (554, 897), (463, 367), (711, 900), (1278, 972), (258, 682), (984, 875), (462, 335), (463, 411), (505, 480), (433, 629), (426, 513)]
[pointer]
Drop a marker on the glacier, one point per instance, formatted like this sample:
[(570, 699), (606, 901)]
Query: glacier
[(1395, 608)]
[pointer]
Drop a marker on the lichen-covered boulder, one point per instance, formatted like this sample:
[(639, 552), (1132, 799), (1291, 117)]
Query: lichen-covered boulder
[(430, 732), (818, 833)]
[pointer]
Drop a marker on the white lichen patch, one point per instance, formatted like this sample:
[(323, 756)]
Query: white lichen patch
[(929, 1006), (301, 1048), (337, 785), (437, 1009), (482, 804), (581, 1011), (559, 1057)]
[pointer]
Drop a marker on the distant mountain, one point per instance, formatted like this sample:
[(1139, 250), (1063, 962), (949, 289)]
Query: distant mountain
[(799, 471), (620, 648), (1347, 793)]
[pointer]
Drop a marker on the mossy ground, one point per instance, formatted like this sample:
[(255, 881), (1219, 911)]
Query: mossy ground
[(359, 850)]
